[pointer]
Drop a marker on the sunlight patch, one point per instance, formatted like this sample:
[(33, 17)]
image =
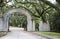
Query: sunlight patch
[(52, 1)]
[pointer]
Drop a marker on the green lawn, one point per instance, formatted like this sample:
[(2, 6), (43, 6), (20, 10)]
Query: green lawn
[(51, 33), (3, 34)]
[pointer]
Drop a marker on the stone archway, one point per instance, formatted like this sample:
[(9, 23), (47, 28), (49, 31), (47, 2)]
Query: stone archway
[(19, 10)]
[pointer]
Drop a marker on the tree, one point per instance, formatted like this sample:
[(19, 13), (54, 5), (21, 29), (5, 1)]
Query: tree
[(17, 20), (37, 8)]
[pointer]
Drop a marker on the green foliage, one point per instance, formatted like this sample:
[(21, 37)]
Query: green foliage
[(50, 33), (37, 20), (58, 1), (55, 22), (17, 20)]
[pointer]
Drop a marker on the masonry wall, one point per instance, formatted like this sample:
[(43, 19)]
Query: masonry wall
[(1, 24)]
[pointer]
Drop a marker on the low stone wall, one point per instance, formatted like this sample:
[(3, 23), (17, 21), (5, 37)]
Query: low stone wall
[(1, 24), (2, 33), (44, 26)]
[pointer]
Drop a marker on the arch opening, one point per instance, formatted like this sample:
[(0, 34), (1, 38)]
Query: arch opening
[(17, 20)]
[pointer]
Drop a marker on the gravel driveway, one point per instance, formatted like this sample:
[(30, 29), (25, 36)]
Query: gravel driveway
[(18, 33)]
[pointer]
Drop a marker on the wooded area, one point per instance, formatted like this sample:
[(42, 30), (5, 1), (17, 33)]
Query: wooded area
[(42, 10)]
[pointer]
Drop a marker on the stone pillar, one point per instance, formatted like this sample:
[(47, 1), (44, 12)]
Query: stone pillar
[(29, 24), (44, 26), (1, 24), (33, 23), (6, 23)]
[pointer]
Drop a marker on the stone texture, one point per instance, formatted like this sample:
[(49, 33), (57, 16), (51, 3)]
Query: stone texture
[(19, 10), (33, 25), (1, 24), (44, 26)]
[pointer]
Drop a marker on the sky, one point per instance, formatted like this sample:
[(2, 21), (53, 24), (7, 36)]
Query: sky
[(10, 3), (52, 1)]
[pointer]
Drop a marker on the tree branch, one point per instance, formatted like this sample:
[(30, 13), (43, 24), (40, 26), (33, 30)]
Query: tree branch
[(27, 2), (30, 11), (44, 11), (50, 4)]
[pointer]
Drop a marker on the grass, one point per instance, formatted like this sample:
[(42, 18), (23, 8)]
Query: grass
[(3, 34), (51, 33)]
